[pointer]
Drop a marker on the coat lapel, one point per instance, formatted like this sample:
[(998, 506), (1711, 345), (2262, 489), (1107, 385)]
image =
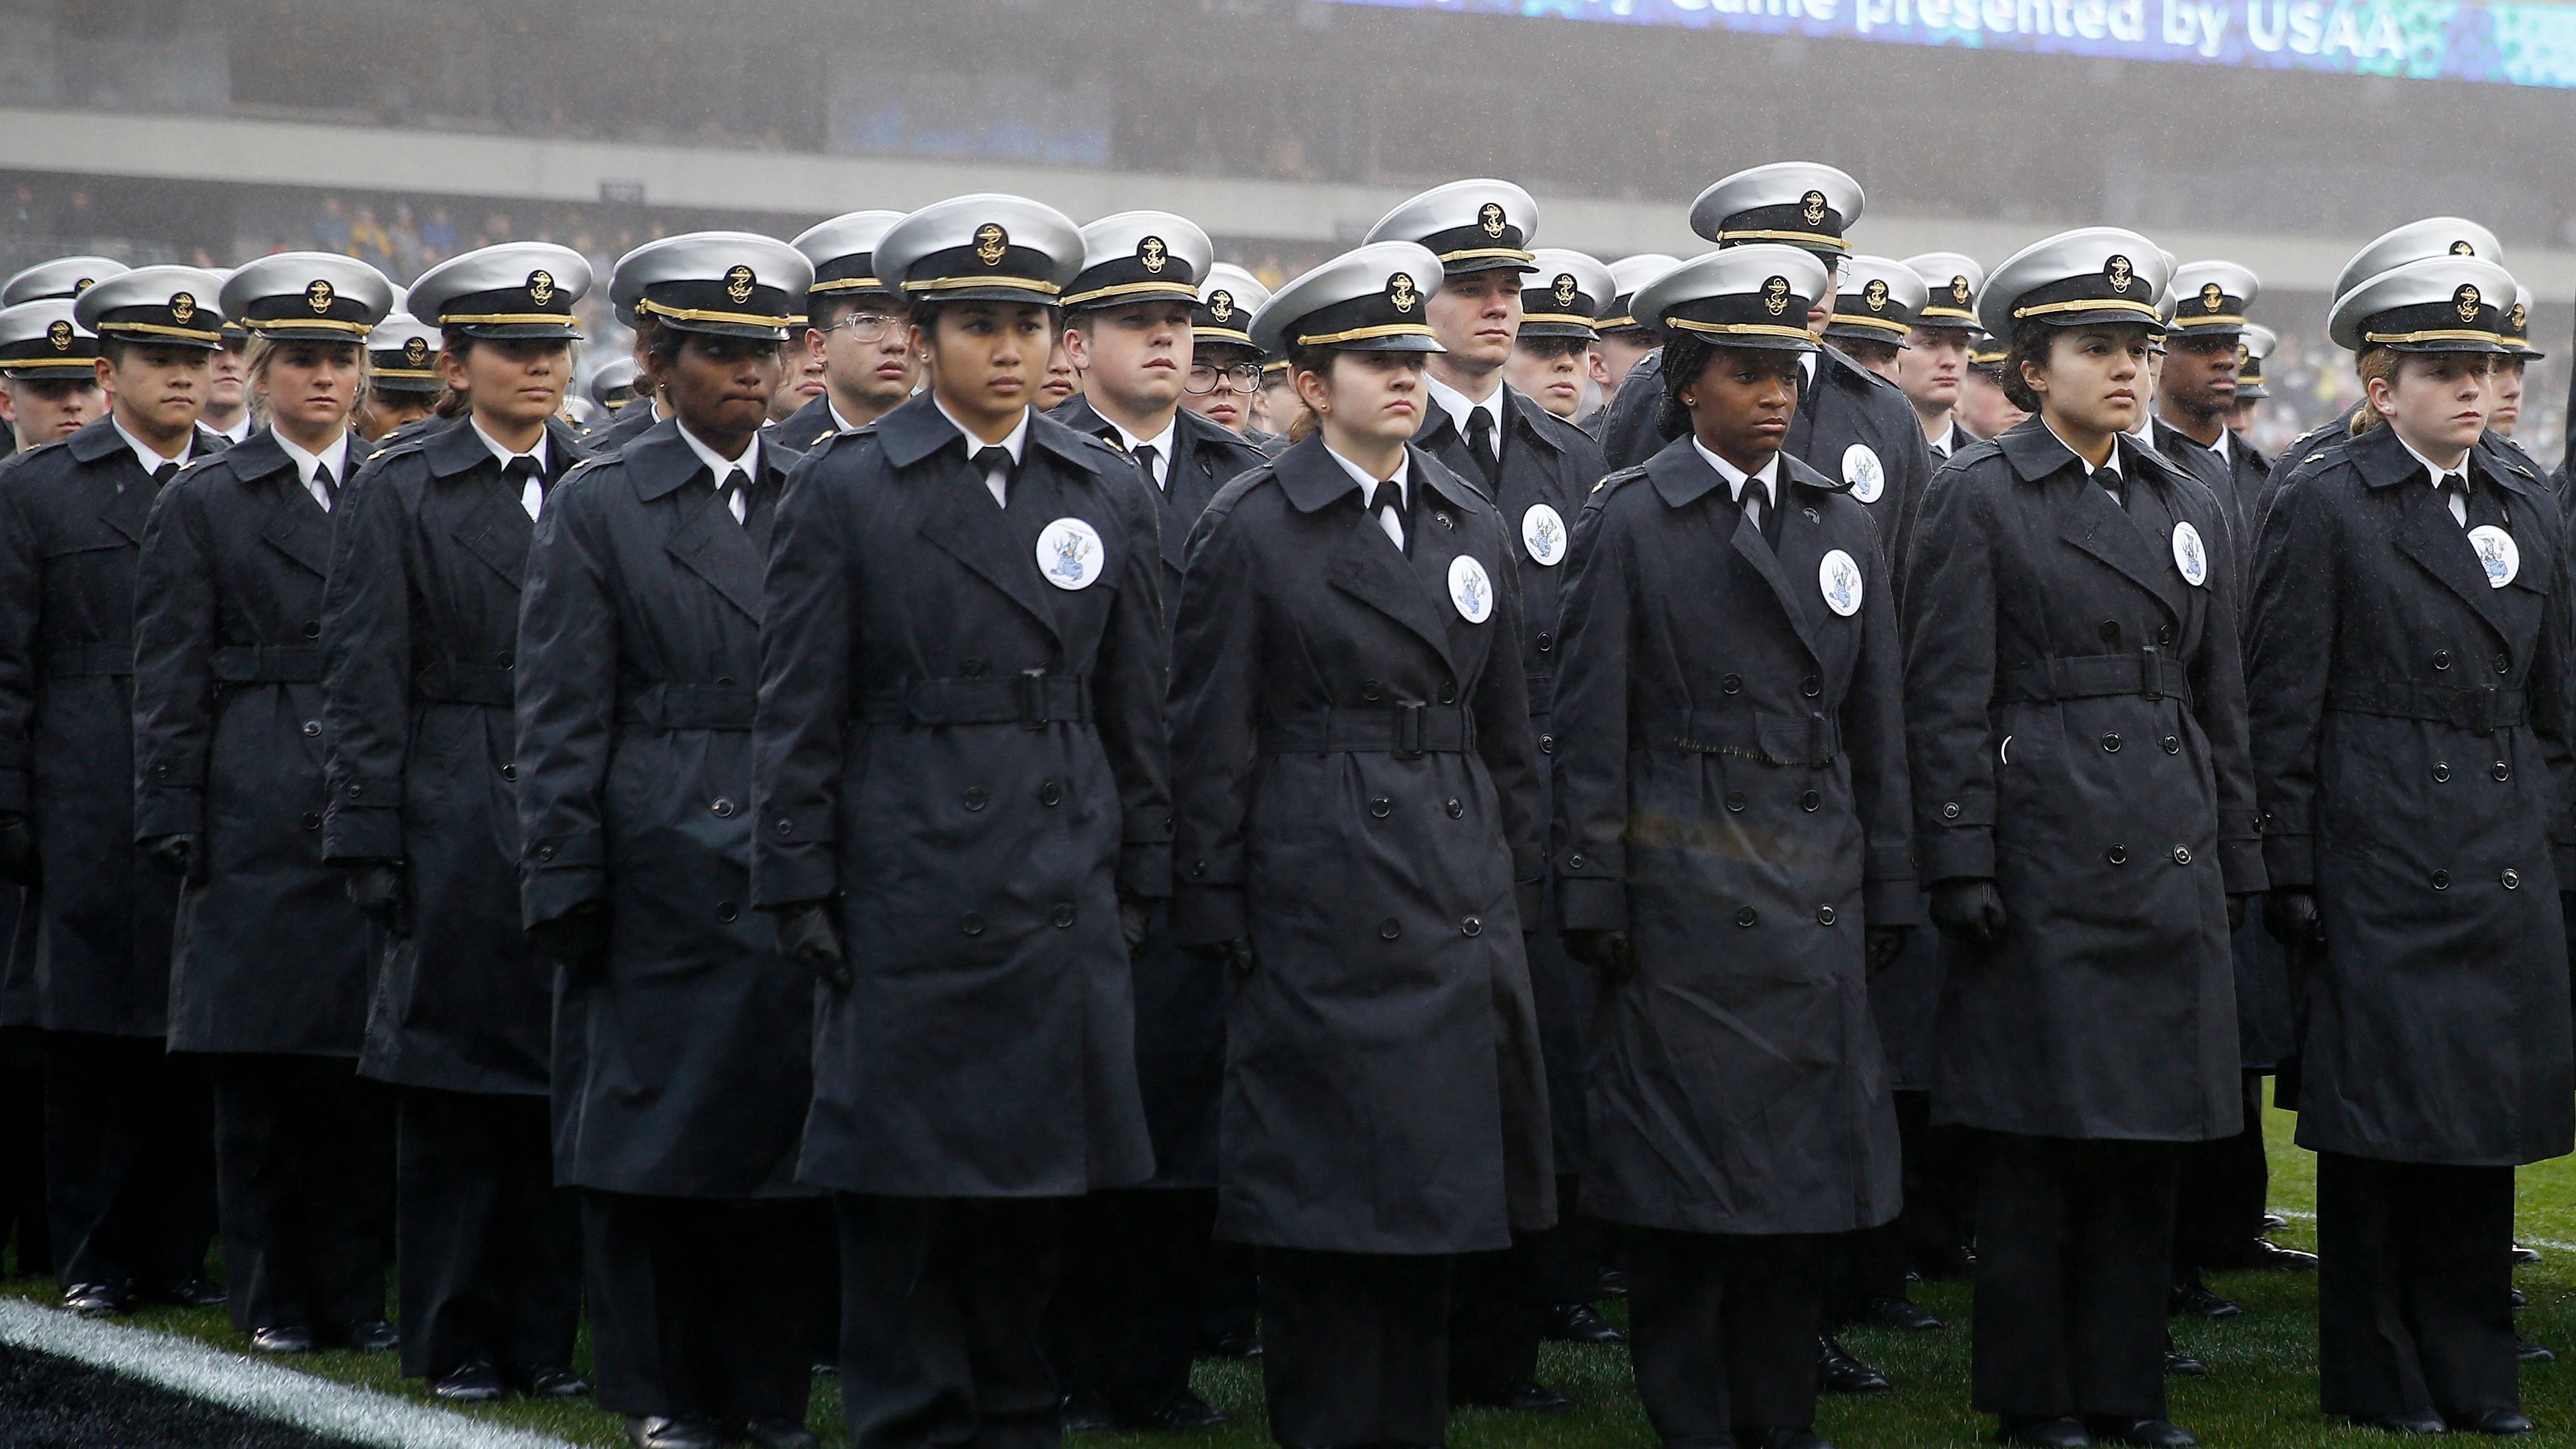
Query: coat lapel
[(1367, 565), (297, 527), (963, 523), (2430, 536), (495, 529), (706, 540)]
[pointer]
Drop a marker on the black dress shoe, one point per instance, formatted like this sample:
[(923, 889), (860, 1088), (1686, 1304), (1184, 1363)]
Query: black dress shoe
[(1614, 1283), (2146, 1433), (2274, 1222), (2530, 1352), (1530, 1398), (282, 1338), (98, 1300), (2517, 1299), (369, 1335), (1086, 1411), (1956, 1261), (1235, 1345), (1748, 1438), (2522, 1254), (820, 1367), (2063, 1432), (1837, 1372), (2180, 1365), (779, 1434), (471, 1382), (1904, 1313), (553, 1383), (1581, 1323), (193, 1291), (2413, 1421), (2502, 1423), (2201, 1303), (1183, 1413), (2265, 1256), (657, 1431)]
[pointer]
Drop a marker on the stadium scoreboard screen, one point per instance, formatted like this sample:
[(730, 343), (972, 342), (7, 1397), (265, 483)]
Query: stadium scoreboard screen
[(2509, 42)]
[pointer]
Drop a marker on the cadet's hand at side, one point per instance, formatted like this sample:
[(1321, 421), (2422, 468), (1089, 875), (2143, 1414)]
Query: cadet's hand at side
[(2235, 912), (1135, 915), (1236, 954), (1608, 952), (180, 854), (810, 938), (382, 895), (1970, 909), (578, 938), (2291, 916), (1886, 943), (17, 849)]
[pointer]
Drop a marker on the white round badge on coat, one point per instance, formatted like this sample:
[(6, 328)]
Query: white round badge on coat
[(2189, 555), (1470, 590), (1839, 578), (1543, 534), (1862, 470), (1070, 555), (2497, 554)]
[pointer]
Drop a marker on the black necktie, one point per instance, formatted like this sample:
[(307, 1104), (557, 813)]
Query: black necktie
[(733, 494), (330, 488), (1145, 459), (162, 475), (994, 459), (1480, 445), (2457, 484)]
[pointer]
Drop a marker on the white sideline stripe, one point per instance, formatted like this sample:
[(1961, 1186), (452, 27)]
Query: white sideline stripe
[(2296, 1216), (306, 1401)]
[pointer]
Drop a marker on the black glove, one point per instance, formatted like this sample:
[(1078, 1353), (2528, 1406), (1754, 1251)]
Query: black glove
[(2235, 912), (578, 938), (382, 894), (180, 854), (1135, 914), (1608, 952), (17, 849), (811, 939), (2290, 914), (1886, 943), (1235, 954), (1969, 908)]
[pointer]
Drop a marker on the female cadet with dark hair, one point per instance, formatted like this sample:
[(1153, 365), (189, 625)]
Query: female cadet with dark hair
[(2084, 812), (1355, 838), (2408, 659), (1733, 855)]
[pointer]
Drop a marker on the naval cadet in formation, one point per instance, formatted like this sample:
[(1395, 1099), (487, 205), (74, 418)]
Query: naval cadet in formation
[(420, 639), (962, 824), (271, 964), (1553, 352), (403, 381), (48, 373), (855, 327), (679, 1061), (1225, 368)]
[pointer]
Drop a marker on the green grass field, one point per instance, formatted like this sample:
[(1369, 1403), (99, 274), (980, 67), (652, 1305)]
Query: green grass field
[(2261, 1393)]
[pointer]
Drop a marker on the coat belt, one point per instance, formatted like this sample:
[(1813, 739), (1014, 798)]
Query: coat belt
[(2149, 673), (2480, 711), (675, 706), (1031, 699), (452, 683), (1405, 730), (1782, 739), (89, 661), (268, 664)]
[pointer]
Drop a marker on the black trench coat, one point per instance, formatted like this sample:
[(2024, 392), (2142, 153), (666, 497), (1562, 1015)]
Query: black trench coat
[(682, 1067), (1846, 408), (1549, 466), (972, 759), (93, 945), (1731, 792), (2076, 726), (1357, 796), (2411, 742), (420, 636), (271, 956), (1180, 1004)]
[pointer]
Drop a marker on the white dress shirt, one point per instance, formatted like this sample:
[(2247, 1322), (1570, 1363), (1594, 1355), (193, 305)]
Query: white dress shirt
[(2110, 465), (1458, 406), (1944, 446), (1161, 444), (719, 467), (334, 457), (1736, 478), (532, 494), (2456, 498), (237, 433), (143, 452), (1389, 510), (997, 481)]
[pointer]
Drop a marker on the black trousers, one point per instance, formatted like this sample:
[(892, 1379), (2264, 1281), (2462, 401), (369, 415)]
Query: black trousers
[(1125, 1321), (304, 1151), (129, 1161), (2074, 1247), (488, 1248), (1722, 1331), (2414, 1282), (22, 1147), (1497, 1314), (702, 1308), (1355, 1347), (1230, 1296), (943, 1320), (2225, 1184)]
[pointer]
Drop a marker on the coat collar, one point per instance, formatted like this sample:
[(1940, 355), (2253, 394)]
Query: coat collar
[(660, 460), (1682, 477), (101, 440), (259, 455)]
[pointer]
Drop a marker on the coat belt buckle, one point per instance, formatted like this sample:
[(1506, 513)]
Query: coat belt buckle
[(2484, 715), (1033, 701), (2151, 677), (1410, 734)]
